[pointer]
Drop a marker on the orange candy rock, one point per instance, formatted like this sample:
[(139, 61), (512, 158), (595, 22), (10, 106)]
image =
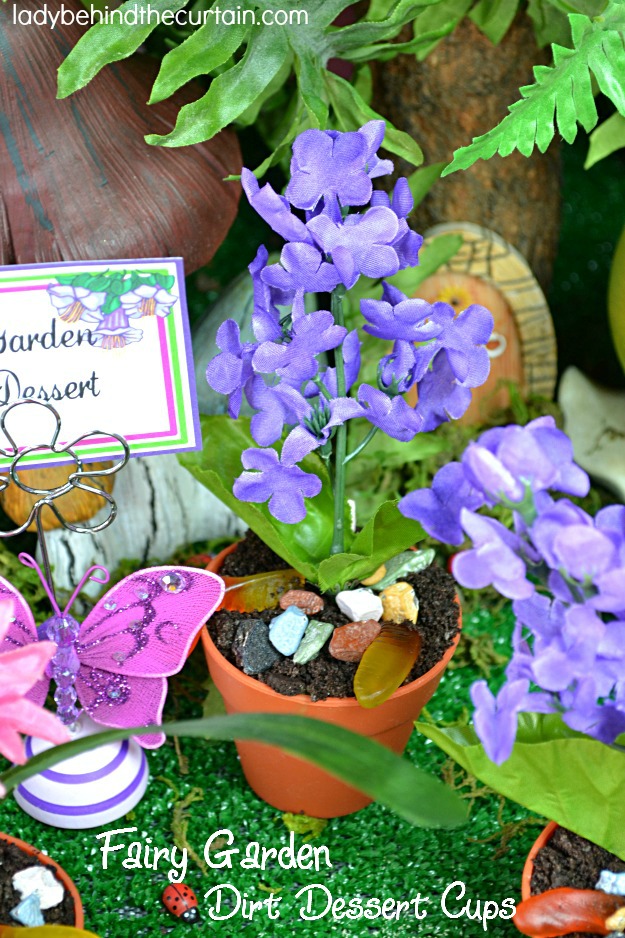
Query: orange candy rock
[(349, 642), (562, 911), (386, 664), (259, 591), (308, 602)]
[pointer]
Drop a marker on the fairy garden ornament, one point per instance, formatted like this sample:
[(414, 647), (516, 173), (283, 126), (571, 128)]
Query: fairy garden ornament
[(301, 378), (111, 669)]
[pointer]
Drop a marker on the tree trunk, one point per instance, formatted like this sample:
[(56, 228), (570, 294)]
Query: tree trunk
[(462, 90)]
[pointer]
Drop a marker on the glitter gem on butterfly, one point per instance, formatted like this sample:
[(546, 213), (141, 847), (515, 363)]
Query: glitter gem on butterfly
[(116, 663)]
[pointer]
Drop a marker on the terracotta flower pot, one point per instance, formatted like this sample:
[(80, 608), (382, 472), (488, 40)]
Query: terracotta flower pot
[(59, 872), (291, 784), (528, 869)]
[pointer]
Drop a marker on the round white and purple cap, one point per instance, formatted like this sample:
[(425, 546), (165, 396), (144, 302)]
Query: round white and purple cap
[(90, 789)]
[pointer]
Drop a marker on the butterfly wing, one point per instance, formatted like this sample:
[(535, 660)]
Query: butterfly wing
[(136, 636), (114, 700), (22, 631)]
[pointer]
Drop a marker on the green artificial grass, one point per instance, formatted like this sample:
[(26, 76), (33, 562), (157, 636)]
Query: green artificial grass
[(373, 853)]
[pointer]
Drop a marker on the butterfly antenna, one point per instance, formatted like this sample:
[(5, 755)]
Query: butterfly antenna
[(89, 576), (46, 579)]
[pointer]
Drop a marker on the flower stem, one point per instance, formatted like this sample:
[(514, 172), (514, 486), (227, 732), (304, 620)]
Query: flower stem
[(356, 452), (340, 446)]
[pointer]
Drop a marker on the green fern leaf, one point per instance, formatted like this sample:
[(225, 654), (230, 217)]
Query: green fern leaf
[(561, 95)]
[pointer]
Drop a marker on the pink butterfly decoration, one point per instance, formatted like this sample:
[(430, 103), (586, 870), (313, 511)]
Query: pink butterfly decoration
[(134, 638)]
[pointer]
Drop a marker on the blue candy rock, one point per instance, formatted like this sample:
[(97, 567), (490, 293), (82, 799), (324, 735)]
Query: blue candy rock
[(28, 912), (613, 883), (286, 630)]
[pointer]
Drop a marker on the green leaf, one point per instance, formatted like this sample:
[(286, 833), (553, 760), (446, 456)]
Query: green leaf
[(250, 114), (562, 93), (166, 280), (111, 304), (549, 23), (366, 32), (438, 21), (428, 27), (422, 180), (413, 794), (296, 125), (605, 139), (322, 12), (312, 88), (565, 776), (363, 83), (379, 9), (218, 464), (231, 92), (109, 42), (494, 17), (432, 256), (386, 534), (205, 50), (393, 453), (352, 112), (99, 282)]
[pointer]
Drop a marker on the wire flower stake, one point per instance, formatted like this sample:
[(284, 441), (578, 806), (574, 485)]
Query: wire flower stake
[(48, 497)]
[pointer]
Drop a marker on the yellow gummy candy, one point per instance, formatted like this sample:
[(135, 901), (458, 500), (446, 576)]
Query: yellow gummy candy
[(45, 931), (259, 591), (386, 664)]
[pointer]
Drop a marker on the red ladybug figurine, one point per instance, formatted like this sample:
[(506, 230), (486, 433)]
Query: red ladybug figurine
[(181, 902)]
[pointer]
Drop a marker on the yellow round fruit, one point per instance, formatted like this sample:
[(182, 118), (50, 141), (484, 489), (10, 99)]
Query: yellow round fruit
[(616, 299)]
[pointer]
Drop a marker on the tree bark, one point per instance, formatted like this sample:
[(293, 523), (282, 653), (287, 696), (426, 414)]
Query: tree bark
[(462, 90)]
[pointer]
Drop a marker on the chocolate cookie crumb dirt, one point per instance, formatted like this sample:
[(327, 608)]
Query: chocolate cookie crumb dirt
[(325, 676)]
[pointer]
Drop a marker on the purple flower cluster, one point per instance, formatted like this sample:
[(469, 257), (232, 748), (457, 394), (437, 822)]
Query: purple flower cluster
[(563, 569), (337, 228)]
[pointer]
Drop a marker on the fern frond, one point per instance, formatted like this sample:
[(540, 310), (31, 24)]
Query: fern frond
[(562, 94)]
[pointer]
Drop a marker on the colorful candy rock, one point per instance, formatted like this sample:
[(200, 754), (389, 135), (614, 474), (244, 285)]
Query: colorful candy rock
[(616, 922), (350, 641), (286, 630), (386, 664), (251, 647), (40, 881), (28, 912), (409, 561), (614, 883), (259, 591), (316, 635), (308, 602), (379, 574), (400, 603), (562, 911), (359, 605)]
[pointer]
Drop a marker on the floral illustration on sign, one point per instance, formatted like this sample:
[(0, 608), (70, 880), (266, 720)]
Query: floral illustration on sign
[(107, 301)]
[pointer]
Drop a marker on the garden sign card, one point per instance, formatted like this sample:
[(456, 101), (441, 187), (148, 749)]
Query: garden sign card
[(107, 344)]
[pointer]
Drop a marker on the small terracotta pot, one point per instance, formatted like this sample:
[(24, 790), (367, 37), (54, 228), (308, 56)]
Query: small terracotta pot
[(289, 783), (59, 872), (528, 869)]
